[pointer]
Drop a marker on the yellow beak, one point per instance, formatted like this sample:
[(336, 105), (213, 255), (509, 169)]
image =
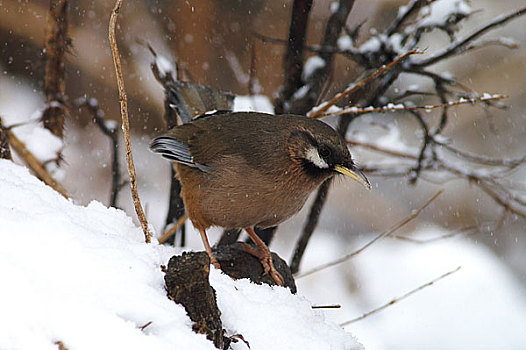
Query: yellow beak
[(354, 174)]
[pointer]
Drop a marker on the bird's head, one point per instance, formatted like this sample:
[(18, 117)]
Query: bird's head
[(322, 153)]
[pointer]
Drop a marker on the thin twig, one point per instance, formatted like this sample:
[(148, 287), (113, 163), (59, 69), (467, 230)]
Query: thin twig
[(401, 107), (324, 107), (384, 234), (125, 121), (334, 306), (173, 228), (404, 14), (465, 231), (110, 131), (381, 149), (512, 162), (34, 164), (458, 46), (400, 298), (61, 345)]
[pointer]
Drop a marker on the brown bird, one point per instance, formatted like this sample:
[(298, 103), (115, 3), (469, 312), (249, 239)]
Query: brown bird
[(246, 169)]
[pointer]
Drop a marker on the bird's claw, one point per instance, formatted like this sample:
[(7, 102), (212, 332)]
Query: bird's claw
[(266, 261)]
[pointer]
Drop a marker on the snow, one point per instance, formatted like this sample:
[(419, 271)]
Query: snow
[(34, 136), (371, 45), (334, 6), (246, 309), (166, 66), (345, 43), (438, 12), (20, 105), (482, 306), (253, 103), (301, 92), (85, 277), (311, 65)]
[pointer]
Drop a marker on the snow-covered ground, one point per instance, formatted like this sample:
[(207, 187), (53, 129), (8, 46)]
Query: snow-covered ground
[(83, 276), (482, 306)]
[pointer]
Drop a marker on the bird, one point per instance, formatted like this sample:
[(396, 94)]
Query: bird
[(251, 169)]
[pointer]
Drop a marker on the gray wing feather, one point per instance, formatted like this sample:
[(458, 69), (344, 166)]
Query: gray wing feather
[(176, 151)]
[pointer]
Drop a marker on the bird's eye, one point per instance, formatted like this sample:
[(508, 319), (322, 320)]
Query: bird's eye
[(325, 152)]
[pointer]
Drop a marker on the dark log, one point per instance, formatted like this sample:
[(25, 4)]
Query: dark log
[(237, 263), (187, 284)]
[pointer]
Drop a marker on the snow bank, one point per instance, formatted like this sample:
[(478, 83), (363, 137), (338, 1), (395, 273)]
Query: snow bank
[(84, 276)]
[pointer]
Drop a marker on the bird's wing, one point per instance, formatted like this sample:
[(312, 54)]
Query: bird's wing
[(176, 150)]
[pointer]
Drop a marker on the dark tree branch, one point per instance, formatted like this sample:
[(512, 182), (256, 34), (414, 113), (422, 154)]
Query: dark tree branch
[(425, 143), (315, 81), (310, 225), (57, 43), (176, 209), (294, 54)]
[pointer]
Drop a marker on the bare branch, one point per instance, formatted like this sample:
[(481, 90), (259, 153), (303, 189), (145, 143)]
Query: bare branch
[(125, 121), (310, 225), (317, 111), (465, 231), (335, 306), (384, 234), (109, 129), (459, 46), (301, 103), (294, 55), (400, 298), (170, 232), (404, 14), (57, 42), (401, 107), (381, 149)]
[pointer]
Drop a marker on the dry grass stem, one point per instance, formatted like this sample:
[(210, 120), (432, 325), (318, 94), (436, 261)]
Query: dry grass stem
[(34, 164), (173, 228), (125, 121)]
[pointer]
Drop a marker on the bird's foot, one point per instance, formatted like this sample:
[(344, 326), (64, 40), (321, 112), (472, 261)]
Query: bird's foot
[(214, 262), (265, 258)]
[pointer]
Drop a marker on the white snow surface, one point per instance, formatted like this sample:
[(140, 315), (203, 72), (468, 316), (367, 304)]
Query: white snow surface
[(253, 103), (482, 306), (438, 12), (84, 276), (312, 64)]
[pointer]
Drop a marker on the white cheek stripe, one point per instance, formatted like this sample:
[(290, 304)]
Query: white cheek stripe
[(314, 157)]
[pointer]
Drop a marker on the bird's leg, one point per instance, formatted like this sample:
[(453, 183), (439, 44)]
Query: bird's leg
[(262, 252), (213, 259)]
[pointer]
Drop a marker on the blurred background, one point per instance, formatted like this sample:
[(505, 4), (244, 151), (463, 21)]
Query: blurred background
[(214, 42)]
